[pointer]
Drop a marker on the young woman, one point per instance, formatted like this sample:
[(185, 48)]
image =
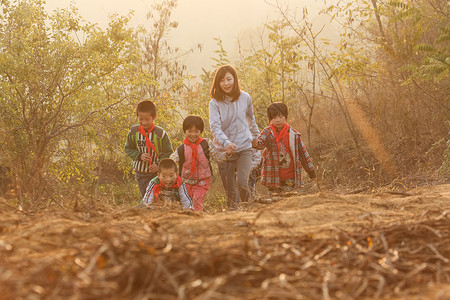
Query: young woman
[(233, 125)]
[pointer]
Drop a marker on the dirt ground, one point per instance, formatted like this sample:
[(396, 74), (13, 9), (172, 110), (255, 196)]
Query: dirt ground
[(326, 245)]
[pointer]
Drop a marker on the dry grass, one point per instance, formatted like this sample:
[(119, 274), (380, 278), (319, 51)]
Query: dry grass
[(319, 246)]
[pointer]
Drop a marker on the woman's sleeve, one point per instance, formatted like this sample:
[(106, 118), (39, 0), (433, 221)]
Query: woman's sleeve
[(216, 125)]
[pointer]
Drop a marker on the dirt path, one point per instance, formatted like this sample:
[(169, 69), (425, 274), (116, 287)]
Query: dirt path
[(318, 246)]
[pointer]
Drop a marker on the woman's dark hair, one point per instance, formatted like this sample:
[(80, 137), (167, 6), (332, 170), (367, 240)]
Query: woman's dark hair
[(191, 121), (216, 92), (146, 106), (167, 163), (275, 109)]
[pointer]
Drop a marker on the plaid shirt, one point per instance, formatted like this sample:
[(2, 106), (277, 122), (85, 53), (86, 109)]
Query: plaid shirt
[(270, 175)]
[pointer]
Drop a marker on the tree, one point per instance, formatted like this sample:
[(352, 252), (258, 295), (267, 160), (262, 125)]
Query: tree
[(403, 85), (54, 85), (164, 74), (269, 66)]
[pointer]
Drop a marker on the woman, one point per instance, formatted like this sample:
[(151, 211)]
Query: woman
[(233, 125)]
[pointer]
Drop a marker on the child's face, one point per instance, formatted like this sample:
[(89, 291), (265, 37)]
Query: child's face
[(167, 177), (227, 83), (192, 134), (278, 121), (145, 119)]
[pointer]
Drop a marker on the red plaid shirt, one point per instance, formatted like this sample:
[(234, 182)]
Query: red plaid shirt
[(270, 175)]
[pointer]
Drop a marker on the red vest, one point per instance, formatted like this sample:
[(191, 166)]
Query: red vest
[(203, 169)]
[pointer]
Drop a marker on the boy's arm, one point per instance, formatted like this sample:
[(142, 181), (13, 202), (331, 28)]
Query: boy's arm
[(306, 159), (130, 147), (214, 154), (262, 140), (167, 148), (149, 196), (185, 200)]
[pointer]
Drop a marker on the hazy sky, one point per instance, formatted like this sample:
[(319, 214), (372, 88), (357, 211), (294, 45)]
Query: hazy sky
[(199, 20)]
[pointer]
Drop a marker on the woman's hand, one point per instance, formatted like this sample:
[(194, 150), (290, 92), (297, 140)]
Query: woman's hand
[(229, 149)]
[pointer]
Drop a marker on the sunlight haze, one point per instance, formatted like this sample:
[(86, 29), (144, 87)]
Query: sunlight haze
[(199, 21)]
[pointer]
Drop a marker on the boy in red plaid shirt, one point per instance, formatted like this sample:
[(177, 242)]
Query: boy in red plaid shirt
[(285, 152)]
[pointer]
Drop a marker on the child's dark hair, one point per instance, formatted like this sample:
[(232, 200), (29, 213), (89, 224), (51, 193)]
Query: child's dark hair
[(192, 121), (167, 163), (146, 106), (216, 92), (276, 109)]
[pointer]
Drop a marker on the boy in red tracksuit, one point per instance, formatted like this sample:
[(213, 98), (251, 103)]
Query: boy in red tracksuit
[(285, 154), (194, 158)]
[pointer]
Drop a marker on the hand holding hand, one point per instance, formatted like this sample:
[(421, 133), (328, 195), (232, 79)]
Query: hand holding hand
[(229, 149), (255, 143)]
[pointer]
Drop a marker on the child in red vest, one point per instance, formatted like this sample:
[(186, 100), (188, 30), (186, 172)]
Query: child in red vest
[(285, 154), (194, 158)]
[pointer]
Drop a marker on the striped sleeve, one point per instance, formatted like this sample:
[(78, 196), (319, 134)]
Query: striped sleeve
[(305, 159), (149, 196), (263, 139), (215, 154), (166, 147), (175, 157), (185, 200), (131, 148)]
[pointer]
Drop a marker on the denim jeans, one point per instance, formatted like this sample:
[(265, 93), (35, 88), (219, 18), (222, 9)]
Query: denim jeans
[(143, 180), (234, 174)]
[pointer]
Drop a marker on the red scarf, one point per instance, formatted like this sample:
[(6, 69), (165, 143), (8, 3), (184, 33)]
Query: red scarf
[(283, 133), (194, 152), (157, 187), (148, 143)]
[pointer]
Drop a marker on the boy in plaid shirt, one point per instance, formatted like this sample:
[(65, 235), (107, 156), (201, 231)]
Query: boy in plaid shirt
[(285, 152)]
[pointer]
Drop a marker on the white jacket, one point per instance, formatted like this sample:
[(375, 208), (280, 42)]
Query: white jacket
[(233, 122)]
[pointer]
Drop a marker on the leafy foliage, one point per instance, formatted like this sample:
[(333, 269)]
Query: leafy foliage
[(69, 89), (162, 69), (403, 79), (55, 87)]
